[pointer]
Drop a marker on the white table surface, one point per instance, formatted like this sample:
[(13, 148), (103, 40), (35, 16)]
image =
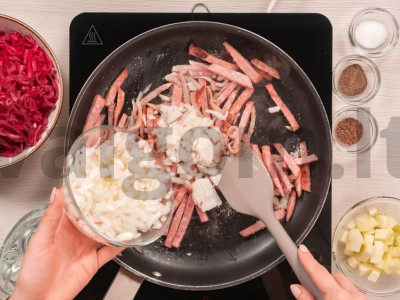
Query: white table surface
[(27, 185)]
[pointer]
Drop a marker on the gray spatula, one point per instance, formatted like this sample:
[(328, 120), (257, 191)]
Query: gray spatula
[(247, 186)]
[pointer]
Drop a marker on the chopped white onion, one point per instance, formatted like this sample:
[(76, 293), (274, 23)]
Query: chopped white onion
[(274, 109), (204, 194), (114, 204)]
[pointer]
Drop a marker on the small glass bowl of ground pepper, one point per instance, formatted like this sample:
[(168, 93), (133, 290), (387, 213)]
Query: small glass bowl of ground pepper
[(354, 130), (356, 79)]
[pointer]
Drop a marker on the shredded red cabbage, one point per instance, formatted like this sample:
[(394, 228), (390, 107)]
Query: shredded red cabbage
[(28, 92)]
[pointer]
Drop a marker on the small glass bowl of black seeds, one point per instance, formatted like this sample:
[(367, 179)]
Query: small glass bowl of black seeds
[(354, 130), (356, 79)]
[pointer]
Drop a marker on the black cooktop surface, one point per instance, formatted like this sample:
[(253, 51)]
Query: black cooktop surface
[(307, 38)]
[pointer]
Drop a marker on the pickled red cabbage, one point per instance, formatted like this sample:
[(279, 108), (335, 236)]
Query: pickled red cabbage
[(28, 92)]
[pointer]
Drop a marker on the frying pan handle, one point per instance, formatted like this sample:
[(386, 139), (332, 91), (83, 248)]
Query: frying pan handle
[(124, 287), (289, 249)]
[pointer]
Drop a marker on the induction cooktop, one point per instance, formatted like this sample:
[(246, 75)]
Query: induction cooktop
[(307, 38)]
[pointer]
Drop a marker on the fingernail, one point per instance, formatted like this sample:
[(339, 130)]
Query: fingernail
[(53, 195), (303, 249), (295, 290)]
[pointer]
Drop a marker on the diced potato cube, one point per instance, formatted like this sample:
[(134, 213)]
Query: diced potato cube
[(379, 244), (380, 265), (353, 262), (374, 275), (348, 252), (387, 258), (394, 266), (370, 232), (364, 268), (344, 237), (378, 254), (386, 247), (391, 222), (373, 211), (390, 242), (382, 221), (383, 234), (396, 228), (397, 241), (351, 224), (395, 252), (368, 239), (365, 223), (366, 252), (354, 240)]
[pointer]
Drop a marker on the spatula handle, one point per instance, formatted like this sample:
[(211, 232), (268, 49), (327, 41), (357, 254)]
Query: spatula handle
[(289, 249)]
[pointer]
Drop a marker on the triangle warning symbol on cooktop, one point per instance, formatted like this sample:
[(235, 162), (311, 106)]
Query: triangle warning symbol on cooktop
[(92, 37)]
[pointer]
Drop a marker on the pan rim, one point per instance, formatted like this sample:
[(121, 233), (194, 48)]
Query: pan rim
[(307, 81)]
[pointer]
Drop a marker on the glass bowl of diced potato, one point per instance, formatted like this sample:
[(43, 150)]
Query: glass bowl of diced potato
[(366, 246)]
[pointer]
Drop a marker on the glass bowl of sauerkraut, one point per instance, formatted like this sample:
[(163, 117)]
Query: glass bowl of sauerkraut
[(115, 192)]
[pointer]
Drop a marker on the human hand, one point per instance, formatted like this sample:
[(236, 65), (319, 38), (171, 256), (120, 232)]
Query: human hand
[(335, 286), (59, 260)]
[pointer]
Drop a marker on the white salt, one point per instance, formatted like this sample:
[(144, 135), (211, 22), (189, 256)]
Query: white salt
[(371, 34)]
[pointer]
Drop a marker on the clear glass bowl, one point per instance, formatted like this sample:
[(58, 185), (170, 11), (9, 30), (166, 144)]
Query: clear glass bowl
[(370, 129), (371, 72), (386, 284), (13, 249), (386, 19), (91, 138)]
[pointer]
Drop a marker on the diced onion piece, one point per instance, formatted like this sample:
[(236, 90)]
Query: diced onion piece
[(274, 109), (204, 194)]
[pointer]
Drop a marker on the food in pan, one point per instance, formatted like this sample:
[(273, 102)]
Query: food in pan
[(209, 111), (28, 92), (373, 244)]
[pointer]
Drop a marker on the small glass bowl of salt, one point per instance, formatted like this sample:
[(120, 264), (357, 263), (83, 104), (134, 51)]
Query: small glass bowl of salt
[(373, 32)]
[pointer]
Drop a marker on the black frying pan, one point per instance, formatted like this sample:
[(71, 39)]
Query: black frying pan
[(213, 255)]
